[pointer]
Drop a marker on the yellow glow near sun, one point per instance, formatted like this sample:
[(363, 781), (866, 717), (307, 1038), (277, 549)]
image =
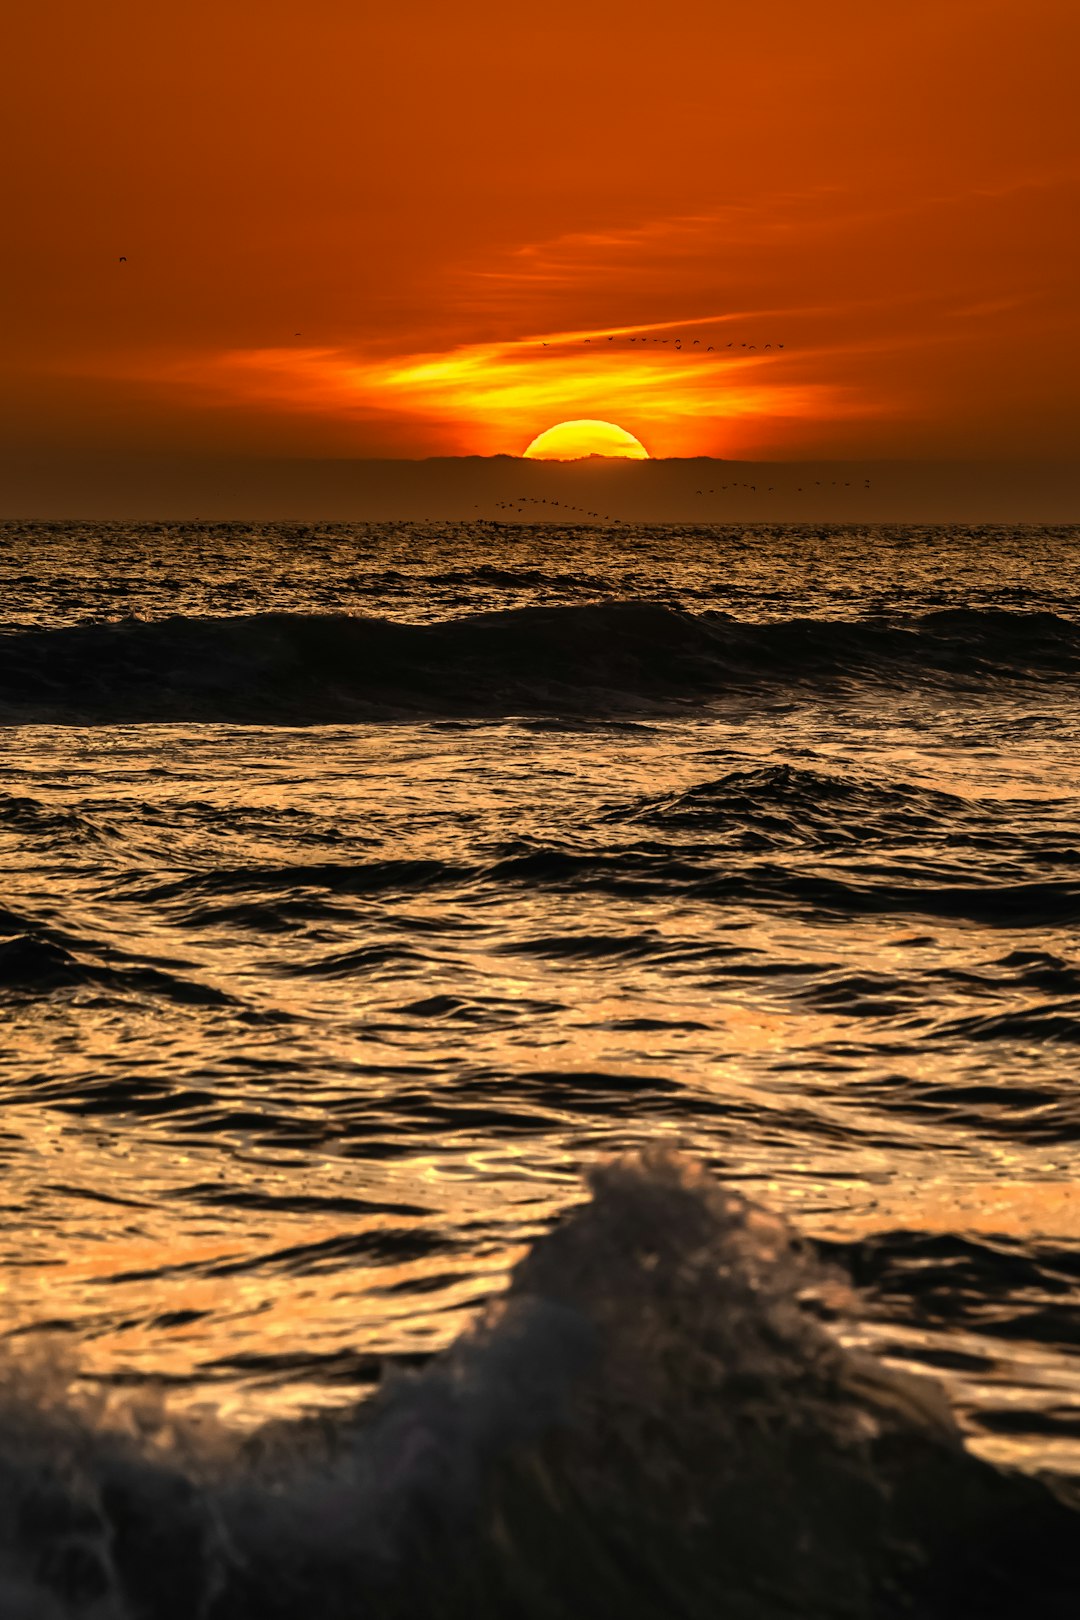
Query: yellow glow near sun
[(570, 441), (490, 396)]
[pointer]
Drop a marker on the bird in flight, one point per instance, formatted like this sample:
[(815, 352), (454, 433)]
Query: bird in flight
[(680, 343), (123, 258)]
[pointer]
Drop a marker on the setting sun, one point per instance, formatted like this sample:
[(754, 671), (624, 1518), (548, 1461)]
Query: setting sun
[(570, 441)]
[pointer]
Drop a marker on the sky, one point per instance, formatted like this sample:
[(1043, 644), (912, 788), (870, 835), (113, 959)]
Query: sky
[(268, 229)]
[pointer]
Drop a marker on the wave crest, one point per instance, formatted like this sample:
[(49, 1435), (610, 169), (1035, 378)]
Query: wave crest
[(655, 1419), (597, 659)]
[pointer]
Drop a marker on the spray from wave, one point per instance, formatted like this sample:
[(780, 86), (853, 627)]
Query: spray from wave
[(656, 1419)]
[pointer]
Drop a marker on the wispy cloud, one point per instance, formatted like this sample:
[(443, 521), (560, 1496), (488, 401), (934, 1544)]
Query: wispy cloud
[(760, 323), (655, 380)]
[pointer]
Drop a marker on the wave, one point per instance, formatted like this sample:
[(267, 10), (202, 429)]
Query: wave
[(608, 658), (634, 873), (642, 874), (657, 1418), (777, 806), (1059, 1022), (992, 1283), (35, 964), (31, 818)]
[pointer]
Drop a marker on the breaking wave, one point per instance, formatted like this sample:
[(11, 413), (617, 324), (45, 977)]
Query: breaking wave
[(658, 1418), (607, 658)]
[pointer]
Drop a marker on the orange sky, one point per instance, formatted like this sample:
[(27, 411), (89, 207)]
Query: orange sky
[(429, 195)]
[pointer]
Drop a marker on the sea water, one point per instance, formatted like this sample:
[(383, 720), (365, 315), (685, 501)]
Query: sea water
[(366, 888)]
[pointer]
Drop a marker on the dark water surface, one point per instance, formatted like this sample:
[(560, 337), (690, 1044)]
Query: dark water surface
[(363, 885)]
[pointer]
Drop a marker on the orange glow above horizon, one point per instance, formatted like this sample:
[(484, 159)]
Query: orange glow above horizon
[(486, 399), (424, 259)]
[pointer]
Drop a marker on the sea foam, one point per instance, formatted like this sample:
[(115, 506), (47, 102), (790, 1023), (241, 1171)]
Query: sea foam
[(658, 1417)]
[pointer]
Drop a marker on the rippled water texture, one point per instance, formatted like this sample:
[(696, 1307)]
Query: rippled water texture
[(363, 885)]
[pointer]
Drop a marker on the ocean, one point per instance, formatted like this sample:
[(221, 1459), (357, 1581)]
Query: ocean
[(539, 1071)]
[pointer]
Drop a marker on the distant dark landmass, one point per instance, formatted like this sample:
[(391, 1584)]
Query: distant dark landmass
[(512, 489)]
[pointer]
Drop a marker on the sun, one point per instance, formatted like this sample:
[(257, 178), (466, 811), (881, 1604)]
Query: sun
[(570, 441)]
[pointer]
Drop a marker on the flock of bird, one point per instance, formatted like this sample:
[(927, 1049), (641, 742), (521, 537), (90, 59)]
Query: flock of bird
[(518, 507), (819, 483), (544, 507), (680, 345)]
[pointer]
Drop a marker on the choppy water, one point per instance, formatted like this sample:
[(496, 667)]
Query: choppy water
[(362, 886)]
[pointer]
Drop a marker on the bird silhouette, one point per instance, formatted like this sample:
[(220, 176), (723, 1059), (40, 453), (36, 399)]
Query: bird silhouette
[(123, 258), (679, 343)]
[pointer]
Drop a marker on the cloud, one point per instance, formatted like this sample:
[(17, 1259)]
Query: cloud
[(499, 395), (812, 321)]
